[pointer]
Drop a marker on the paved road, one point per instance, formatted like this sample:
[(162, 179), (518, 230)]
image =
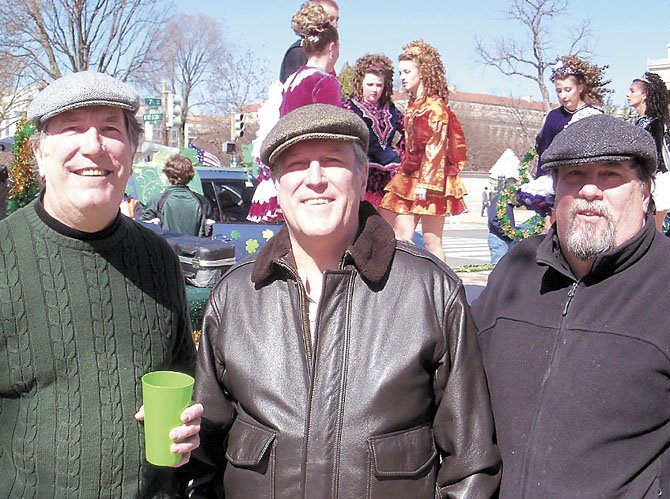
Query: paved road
[(465, 244)]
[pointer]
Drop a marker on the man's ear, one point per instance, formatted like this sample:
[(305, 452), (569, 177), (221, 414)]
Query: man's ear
[(646, 195), (364, 175), (37, 152), (274, 177)]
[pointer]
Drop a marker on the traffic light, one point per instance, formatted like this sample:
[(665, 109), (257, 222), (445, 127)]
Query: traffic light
[(173, 110), (239, 125), (229, 147)]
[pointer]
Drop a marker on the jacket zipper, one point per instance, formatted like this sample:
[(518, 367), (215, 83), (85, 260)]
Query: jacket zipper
[(547, 378), (571, 294), (307, 336)]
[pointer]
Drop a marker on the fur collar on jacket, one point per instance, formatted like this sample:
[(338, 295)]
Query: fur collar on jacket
[(371, 253)]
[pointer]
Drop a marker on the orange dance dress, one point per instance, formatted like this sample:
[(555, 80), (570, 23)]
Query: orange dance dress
[(435, 154)]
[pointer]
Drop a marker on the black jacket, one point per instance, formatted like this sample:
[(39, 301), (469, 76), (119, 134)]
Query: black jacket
[(579, 370), (656, 128), (392, 401), (293, 59)]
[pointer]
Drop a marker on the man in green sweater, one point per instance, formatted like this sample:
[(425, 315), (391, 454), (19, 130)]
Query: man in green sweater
[(89, 302)]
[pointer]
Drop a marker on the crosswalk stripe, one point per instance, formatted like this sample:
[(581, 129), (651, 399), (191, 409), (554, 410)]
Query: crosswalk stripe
[(470, 248)]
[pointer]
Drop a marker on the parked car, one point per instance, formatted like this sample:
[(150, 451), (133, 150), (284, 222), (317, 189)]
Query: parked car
[(230, 191)]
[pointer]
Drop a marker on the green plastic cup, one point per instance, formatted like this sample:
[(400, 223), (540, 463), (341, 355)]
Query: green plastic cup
[(165, 394)]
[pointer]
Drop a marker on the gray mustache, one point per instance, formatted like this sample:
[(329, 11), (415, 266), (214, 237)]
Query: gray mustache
[(598, 207)]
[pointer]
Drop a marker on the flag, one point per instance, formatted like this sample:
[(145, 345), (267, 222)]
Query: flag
[(204, 157)]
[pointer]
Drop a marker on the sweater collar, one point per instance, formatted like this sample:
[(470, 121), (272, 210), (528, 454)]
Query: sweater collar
[(371, 253), (68, 231), (611, 262)]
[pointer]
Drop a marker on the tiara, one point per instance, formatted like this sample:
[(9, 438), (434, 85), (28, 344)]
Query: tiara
[(561, 71)]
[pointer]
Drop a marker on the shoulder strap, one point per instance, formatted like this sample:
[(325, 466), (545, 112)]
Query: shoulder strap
[(203, 214), (161, 203)]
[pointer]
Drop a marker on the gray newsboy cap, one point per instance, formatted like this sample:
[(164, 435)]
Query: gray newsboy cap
[(86, 88), (314, 121), (601, 138)]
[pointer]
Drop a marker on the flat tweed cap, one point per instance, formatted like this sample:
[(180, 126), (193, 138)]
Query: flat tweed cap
[(86, 88), (313, 122), (601, 138)]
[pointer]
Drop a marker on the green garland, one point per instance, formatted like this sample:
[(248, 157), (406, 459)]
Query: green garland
[(536, 222), (24, 186), (474, 267)]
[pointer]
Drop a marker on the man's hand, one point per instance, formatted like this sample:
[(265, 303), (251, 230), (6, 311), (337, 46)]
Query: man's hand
[(419, 194), (187, 436)]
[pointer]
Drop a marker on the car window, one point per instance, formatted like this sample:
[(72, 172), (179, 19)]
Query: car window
[(229, 198)]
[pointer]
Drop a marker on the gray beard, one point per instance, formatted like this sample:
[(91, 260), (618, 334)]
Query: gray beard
[(586, 241)]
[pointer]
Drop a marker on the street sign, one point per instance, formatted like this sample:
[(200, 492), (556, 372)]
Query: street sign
[(153, 117), (152, 102)]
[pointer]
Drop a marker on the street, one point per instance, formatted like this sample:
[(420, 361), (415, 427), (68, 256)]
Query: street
[(465, 244)]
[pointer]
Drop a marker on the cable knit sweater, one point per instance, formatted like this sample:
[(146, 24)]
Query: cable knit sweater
[(82, 318)]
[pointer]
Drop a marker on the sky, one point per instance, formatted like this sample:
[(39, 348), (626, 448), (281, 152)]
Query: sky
[(625, 35)]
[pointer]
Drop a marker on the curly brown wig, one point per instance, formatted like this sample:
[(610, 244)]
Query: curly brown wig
[(658, 99), (430, 65), (590, 75), (179, 170), (378, 65), (312, 24)]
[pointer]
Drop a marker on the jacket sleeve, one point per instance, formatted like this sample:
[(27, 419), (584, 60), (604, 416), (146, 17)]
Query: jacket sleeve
[(208, 462), (463, 426), (151, 209)]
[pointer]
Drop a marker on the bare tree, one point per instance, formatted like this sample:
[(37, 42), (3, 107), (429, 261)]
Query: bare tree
[(529, 54), (196, 61), (50, 37), (13, 97), (240, 77), (185, 58)]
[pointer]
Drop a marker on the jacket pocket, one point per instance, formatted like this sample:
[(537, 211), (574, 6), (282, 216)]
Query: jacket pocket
[(403, 463), (250, 455)]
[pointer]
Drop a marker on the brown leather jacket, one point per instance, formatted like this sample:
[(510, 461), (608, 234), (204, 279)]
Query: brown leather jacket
[(391, 402)]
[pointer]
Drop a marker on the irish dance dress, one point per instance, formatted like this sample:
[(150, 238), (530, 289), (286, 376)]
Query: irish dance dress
[(435, 153), (386, 126)]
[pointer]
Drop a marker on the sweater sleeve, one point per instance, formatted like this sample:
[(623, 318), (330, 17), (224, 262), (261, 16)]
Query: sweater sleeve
[(208, 462), (183, 359)]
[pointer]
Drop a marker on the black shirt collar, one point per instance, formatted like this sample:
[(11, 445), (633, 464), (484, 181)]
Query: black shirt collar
[(68, 231)]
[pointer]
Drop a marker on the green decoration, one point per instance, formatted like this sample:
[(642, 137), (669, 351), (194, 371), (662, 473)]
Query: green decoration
[(23, 180), (536, 222), (474, 267), (252, 246)]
